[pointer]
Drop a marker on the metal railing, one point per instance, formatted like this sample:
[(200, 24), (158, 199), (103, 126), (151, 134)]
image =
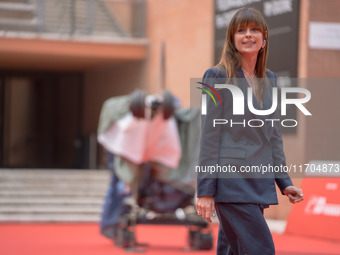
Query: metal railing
[(117, 18)]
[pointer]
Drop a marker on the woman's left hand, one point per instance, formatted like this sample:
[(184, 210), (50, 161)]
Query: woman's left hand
[(294, 194)]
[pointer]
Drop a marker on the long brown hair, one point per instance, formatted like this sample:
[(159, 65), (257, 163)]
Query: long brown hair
[(231, 58)]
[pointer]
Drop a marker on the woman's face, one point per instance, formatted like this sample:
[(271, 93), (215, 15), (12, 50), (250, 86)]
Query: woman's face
[(248, 39)]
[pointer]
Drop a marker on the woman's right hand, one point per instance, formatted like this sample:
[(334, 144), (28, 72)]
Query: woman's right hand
[(205, 207)]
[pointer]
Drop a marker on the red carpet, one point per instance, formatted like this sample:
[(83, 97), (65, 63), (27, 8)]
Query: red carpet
[(84, 239), (301, 245)]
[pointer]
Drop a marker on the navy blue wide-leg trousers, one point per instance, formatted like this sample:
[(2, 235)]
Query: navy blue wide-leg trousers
[(243, 230)]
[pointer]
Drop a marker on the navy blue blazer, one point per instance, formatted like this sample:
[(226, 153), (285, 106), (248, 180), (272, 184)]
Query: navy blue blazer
[(240, 146)]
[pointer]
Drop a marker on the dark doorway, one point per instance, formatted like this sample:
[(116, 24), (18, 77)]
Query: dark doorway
[(41, 120)]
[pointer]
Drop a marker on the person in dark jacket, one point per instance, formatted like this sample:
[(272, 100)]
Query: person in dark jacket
[(241, 152)]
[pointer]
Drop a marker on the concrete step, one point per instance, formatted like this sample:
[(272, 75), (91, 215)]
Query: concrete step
[(51, 200), (8, 6), (53, 193), (52, 209), (14, 1), (47, 195), (54, 174), (17, 11), (49, 218), (53, 185), (22, 25)]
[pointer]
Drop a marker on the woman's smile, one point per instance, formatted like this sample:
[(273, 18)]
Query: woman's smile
[(249, 43)]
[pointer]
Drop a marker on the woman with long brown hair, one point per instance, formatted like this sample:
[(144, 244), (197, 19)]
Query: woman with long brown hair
[(231, 150)]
